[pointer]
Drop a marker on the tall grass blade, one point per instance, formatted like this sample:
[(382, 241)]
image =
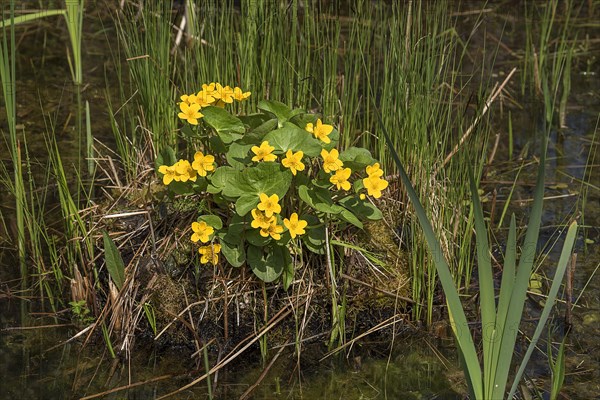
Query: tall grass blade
[(519, 292), (458, 319), (563, 262), (487, 300), (31, 17)]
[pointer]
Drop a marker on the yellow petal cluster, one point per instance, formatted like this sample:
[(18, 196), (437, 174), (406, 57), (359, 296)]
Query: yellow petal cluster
[(210, 253), (330, 160), (181, 171), (320, 130), (212, 94), (340, 178), (295, 226), (202, 232), (203, 163), (374, 183), (190, 112), (293, 161), (263, 152), (269, 204)]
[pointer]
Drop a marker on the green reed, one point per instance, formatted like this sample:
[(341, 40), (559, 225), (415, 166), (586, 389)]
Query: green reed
[(8, 79)]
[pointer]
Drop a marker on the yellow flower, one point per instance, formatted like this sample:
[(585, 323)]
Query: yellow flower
[(190, 112), (260, 220), (202, 231), (239, 95), (321, 131), (224, 94), (188, 98), (168, 173), (331, 161), (375, 185), (362, 196), (269, 205), (210, 253), (295, 226), (272, 230), (184, 171), (263, 153), (293, 161), (204, 98), (181, 171), (374, 170), (209, 89), (203, 163), (340, 178)]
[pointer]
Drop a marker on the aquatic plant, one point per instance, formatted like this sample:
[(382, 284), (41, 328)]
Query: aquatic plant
[(273, 181), (499, 322)]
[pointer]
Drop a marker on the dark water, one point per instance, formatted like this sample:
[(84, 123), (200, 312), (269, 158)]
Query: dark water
[(40, 363)]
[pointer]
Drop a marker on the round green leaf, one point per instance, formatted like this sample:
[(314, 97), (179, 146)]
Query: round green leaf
[(212, 220), (266, 268), (290, 137), (245, 203), (228, 127), (235, 254)]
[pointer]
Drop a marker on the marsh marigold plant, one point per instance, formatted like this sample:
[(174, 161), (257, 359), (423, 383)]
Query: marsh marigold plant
[(253, 171)]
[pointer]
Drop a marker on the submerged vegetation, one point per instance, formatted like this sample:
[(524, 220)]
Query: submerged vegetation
[(312, 195)]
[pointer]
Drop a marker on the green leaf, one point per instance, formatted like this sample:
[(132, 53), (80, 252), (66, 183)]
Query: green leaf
[(267, 268), (319, 199), (235, 230), (212, 220), (235, 254), (361, 208), (238, 155), (253, 237), (458, 319), (221, 177), (228, 127), (357, 158), (245, 203), (253, 121), (348, 216), (288, 271), (265, 177), (256, 135), (314, 239), (188, 131), (114, 262), (561, 268), (290, 137), (31, 17), (281, 111), (165, 157)]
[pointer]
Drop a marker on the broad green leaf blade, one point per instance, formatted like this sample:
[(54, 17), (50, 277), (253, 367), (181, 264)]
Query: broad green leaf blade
[(506, 289), (31, 17), (114, 262), (281, 111), (234, 254), (519, 292), (290, 137), (561, 268), (487, 302), (228, 127), (459, 322)]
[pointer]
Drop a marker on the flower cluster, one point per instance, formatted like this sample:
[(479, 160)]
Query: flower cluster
[(212, 94), (253, 171), (320, 130), (183, 171), (265, 218), (374, 183)]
